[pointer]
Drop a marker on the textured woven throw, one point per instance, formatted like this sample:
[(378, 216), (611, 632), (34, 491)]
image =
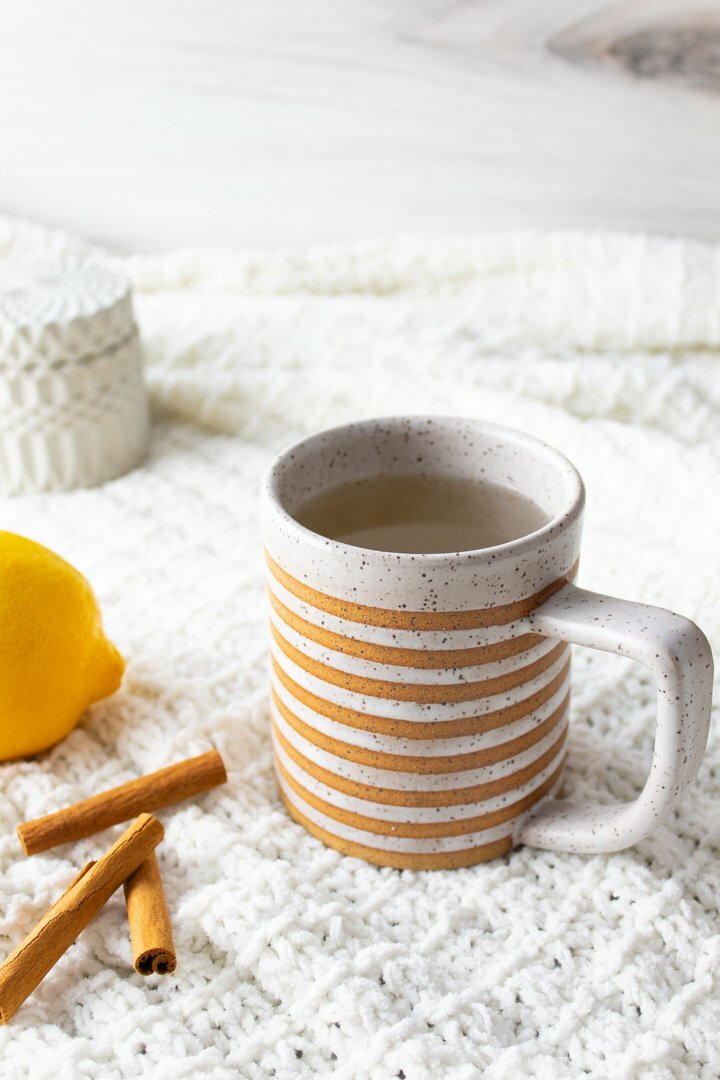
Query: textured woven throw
[(294, 961)]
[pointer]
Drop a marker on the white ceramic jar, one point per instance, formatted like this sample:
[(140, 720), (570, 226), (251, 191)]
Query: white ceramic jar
[(73, 406)]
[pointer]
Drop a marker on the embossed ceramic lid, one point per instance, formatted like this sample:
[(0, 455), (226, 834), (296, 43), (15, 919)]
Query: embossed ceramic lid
[(54, 313)]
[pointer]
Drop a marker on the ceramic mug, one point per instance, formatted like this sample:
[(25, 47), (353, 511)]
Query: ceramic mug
[(420, 702)]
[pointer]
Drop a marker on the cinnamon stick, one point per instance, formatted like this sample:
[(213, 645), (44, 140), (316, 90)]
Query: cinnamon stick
[(162, 788), (81, 874), (71, 913), (149, 919)]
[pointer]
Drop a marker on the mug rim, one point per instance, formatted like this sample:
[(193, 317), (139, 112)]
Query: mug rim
[(563, 519)]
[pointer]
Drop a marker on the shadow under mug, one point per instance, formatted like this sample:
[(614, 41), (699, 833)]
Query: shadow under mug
[(420, 702)]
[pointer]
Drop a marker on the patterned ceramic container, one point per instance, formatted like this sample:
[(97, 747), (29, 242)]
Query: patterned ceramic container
[(73, 408), (420, 702)]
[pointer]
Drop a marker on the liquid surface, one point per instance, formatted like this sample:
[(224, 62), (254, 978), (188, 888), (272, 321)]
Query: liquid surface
[(421, 514)]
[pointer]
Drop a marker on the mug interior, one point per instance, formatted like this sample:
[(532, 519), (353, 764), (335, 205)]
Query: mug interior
[(437, 446)]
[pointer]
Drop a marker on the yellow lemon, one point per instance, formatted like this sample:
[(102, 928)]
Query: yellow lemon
[(54, 657)]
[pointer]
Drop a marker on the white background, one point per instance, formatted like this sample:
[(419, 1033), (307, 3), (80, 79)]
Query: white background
[(272, 122)]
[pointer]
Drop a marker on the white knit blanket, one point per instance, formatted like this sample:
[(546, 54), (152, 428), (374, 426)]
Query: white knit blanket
[(295, 961)]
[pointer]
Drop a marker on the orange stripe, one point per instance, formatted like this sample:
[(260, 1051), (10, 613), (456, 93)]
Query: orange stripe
[(425, 765), (392, 654), (391, 619), (402, 860), (460, 827), (422, 729), (423, 693), (392, 797)]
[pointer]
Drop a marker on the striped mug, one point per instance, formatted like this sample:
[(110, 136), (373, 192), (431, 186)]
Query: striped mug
[(420, 701)]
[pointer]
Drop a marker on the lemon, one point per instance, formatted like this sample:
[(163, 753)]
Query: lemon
[(54, 657)]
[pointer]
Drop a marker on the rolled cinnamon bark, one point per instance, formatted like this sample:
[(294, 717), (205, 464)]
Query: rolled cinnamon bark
[(149, 919), (81, 874), (71, 913), (162, 788)]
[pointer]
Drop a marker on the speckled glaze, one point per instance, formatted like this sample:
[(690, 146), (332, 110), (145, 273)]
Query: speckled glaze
[(420, 702)]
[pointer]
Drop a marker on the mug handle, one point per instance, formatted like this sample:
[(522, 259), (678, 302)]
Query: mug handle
[(678, 654)]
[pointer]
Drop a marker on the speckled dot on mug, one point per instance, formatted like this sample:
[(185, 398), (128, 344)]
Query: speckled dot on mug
[(420, 701)]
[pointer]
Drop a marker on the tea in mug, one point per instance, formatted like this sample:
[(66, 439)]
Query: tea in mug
[(421, 514)]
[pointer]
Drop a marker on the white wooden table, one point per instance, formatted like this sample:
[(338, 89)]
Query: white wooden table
[(153, 123)]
